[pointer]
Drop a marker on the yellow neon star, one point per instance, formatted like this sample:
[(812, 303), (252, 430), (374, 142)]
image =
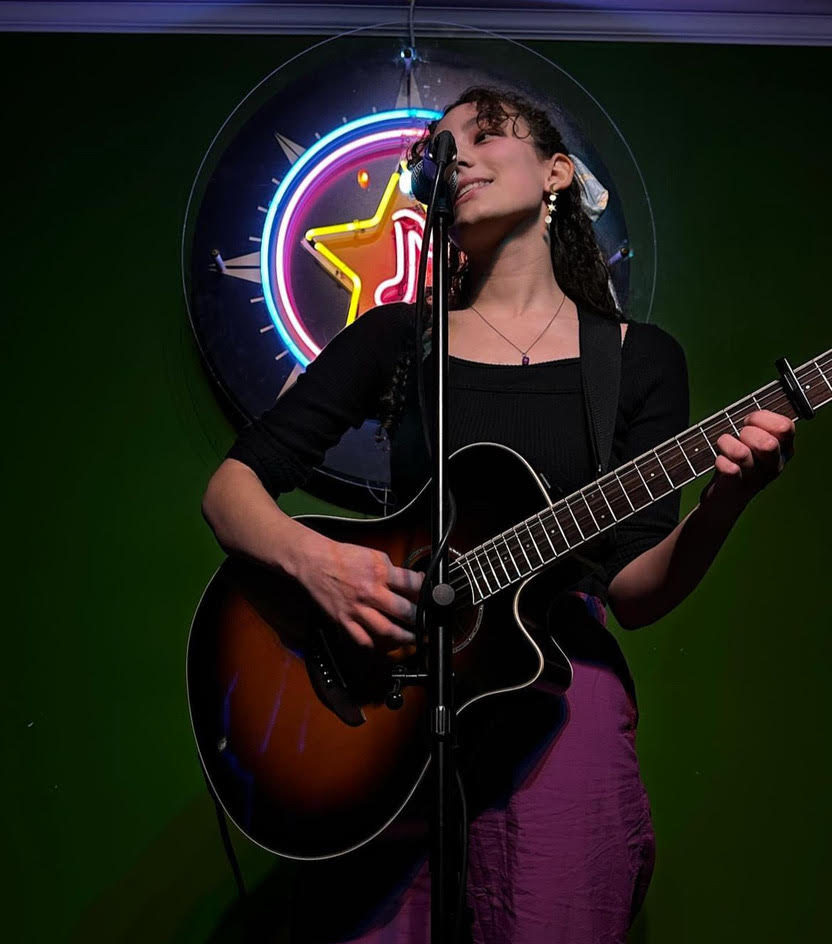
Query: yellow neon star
[(365, 246)]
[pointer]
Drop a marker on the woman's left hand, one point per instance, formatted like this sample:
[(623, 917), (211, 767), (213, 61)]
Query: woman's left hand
[(747, 463)]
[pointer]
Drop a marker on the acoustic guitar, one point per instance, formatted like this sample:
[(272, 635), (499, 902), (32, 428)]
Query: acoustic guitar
[(312, 744)]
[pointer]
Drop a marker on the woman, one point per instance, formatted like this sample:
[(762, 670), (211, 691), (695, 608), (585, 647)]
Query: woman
[(561, 843)]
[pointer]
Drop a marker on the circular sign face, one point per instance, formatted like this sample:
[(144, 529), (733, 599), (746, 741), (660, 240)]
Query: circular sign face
[(301, 216)]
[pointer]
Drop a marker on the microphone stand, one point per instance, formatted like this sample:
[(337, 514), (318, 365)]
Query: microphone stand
[(444, 854), (440, 635)]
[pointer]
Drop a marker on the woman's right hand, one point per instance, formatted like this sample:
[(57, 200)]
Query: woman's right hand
[(361, 589)]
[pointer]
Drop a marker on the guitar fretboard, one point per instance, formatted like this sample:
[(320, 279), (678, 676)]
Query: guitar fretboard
[(568, 524)]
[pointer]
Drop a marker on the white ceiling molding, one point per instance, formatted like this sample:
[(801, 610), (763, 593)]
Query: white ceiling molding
[(619, 23)]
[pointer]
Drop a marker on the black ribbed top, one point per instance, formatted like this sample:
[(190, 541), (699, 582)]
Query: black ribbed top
[(537, 410)]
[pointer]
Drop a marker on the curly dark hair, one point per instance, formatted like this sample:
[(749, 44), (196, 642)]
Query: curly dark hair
[(577, 262)]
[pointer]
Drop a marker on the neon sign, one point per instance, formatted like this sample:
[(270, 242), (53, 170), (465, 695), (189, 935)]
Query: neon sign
[(375, 259)]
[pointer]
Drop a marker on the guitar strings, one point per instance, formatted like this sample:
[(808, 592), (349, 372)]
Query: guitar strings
[(463, 582), (774, 396), (573, 504), (713, 426)]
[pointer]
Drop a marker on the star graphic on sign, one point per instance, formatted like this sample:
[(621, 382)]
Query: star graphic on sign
[(374, 259)]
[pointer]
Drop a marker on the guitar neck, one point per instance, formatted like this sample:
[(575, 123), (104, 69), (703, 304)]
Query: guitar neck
[(567, 525)]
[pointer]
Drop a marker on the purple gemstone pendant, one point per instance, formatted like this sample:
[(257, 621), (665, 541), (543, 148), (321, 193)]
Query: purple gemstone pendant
[(525, 361)]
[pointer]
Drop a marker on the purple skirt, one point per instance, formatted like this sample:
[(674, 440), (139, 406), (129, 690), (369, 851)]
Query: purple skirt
[(561, 844)]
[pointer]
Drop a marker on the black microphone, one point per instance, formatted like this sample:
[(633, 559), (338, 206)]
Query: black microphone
[(423, 174)]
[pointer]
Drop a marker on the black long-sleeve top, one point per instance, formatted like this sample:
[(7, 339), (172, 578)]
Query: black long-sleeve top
[(538, 410)]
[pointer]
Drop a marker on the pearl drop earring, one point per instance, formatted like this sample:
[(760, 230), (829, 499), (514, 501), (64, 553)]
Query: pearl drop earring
[(550, 209)]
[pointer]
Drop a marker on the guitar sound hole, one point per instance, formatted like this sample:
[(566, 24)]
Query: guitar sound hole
[(466, 619)]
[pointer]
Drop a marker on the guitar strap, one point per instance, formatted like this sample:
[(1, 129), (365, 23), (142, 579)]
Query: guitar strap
[(600, 341)]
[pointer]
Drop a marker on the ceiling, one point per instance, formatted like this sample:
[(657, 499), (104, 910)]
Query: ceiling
[(781, 22)]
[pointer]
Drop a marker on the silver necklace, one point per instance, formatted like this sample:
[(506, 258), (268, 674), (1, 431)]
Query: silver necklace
[(524, 355)]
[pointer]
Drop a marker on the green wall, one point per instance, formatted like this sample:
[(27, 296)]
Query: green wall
[(112, 432)]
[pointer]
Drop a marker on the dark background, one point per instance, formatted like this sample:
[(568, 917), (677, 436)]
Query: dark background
[(112, 430)]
